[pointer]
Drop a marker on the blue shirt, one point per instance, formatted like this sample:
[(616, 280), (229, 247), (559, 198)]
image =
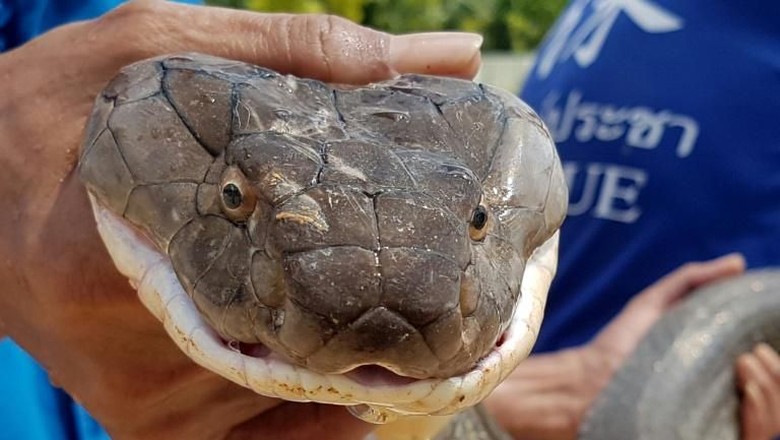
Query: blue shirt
[(665, 114), (30, 408), (21, 20)]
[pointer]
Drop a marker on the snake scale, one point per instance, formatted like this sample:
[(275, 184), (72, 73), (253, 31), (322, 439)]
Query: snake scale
[(385, 247)]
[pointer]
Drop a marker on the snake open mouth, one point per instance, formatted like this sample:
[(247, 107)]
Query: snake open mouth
[(367, 375), (385, 394), (370, 375), (376, 375), (387, 247)]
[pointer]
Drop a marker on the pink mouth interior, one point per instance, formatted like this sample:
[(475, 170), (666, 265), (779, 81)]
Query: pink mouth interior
[(369, 375), (256, 350), (377, 375)]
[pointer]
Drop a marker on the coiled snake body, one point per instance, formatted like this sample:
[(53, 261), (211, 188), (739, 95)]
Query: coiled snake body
[(679, 382), (387, 246)]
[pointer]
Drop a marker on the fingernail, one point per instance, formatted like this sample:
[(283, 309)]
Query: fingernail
[(763, 347), (734, 256), (435, 52), (751, 389), (770, 358)]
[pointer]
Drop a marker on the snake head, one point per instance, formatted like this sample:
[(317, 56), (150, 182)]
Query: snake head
[(334, 228)]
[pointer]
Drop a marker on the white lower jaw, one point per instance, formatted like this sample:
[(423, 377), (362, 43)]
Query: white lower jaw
[(151, 273)]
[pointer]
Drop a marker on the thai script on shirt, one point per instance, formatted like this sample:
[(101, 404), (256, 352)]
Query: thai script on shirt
[(611, 191), (638, 127)]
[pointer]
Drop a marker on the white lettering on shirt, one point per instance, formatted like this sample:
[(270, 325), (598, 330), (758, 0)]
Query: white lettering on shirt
[(609, 192)]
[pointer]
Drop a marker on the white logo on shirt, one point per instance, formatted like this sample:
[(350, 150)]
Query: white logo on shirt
[(581, 37)]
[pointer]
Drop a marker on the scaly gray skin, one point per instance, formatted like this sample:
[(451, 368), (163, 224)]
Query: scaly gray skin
[(679, 383), (337, 226)]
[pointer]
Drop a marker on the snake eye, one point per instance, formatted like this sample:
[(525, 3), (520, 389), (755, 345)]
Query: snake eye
[(479, 219), (238, 200), (231, 196)]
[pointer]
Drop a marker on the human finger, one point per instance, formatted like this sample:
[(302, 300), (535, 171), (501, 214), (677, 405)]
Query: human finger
[(301, 421), (318, 46), (753, 414)]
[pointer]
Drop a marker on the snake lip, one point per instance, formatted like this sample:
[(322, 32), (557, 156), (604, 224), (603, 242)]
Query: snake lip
[(171, 186), (370, 375), (152, 274), (367, 375), (379, 376)]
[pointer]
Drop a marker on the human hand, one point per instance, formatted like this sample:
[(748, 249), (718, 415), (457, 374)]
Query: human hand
[(63, 300), (547, 396), (620, 337), (758, 379)]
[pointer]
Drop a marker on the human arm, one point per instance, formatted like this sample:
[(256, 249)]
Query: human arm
[(63, 300), (547, 396)]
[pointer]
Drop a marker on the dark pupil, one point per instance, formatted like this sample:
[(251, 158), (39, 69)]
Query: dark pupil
[(231, 195), (479, 218)]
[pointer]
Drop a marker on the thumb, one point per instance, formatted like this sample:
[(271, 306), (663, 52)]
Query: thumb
[(324, 47)]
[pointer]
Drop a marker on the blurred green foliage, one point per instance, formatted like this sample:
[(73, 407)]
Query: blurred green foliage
[(517, 25)]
